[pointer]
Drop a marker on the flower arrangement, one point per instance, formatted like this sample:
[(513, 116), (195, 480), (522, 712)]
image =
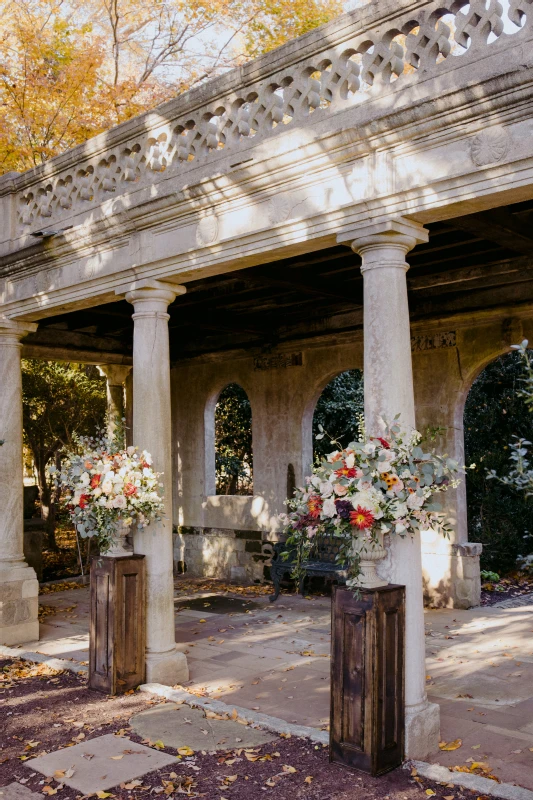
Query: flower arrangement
[(107, 487), (375, 486)]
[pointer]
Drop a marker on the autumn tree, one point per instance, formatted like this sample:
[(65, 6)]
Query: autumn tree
[(70, 69), (60, 401)]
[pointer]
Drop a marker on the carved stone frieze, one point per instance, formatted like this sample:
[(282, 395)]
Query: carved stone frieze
[(489, 146), (433, 341), (207, 230), (278, 361), (345, 71)]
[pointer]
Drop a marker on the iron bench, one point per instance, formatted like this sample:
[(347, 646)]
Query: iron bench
[(321, 563)]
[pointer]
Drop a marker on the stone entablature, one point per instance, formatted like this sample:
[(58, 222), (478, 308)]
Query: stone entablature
[(365, 55)]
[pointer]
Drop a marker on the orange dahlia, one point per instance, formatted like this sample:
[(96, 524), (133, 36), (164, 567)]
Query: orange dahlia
[(314, 505)]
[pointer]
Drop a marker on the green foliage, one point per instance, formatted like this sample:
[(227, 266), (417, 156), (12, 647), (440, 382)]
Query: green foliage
[(498, 516), (487, 575), (233, 442), (338, 411)]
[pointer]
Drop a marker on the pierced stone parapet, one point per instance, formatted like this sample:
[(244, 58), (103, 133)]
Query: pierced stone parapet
[(347, 71)]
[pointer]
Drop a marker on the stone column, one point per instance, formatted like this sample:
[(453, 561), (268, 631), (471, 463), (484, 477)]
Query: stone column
[(388, 377), (115, 375), (152, 432), (19, 587)]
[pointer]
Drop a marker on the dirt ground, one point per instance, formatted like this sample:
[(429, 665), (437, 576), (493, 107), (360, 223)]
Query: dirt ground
[(43, 711)]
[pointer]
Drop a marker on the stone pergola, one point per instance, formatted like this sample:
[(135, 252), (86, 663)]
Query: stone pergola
[(266, 221)]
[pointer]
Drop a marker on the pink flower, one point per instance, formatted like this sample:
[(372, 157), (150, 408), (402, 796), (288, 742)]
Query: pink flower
[(339, 489)]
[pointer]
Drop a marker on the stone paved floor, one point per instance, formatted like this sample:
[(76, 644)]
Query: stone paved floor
[(275, 658)]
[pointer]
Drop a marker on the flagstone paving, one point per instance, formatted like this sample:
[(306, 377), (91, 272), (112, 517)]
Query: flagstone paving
[(274, 658), (100, 763), (183, 726)]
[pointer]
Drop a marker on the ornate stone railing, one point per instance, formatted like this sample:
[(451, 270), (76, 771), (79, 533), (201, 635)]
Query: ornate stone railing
[(343, 64)]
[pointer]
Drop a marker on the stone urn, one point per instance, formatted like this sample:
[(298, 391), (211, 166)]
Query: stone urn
[(370, 551), (121, 545)]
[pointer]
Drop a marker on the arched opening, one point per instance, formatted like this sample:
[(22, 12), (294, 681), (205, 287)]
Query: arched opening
[(233, 442), (499, 517), (338, 412)]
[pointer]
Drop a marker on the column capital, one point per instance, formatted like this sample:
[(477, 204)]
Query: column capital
[(116, 374), (15, 330), (150, 289), (397, 234)]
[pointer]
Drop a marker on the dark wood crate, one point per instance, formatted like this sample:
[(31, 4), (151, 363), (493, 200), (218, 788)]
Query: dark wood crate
[(367, 678), (118, 627)]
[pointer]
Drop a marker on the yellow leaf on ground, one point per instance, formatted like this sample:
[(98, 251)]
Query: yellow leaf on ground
[(475, 747), (116, 758), (185, 751), (158, 746), (430, 793), (455, 745), (308, 779), (48, 790), (287, 768), (448, 797), (103, 795)]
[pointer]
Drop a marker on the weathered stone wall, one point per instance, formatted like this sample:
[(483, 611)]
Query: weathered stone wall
[(232, 555)]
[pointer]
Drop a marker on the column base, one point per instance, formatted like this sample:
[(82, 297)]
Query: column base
[(422, 731), (168, 668), (19, 605)]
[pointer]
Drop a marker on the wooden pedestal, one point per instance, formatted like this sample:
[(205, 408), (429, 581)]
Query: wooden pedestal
[(367, 678), (118, 628)]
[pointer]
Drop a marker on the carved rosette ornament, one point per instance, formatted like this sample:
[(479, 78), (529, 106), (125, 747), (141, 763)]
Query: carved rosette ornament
[(207, 230), (278, 209), (489, 146)]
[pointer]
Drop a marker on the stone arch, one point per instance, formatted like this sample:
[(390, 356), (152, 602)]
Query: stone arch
[(493, 351), (210, 444), (316, 390)]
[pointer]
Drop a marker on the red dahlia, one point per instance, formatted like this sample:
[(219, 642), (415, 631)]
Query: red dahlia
[(362, 518)]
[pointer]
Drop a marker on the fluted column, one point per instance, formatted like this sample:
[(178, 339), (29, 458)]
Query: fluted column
[(152, 432), (19, 587), (388, 387), (115, 375)]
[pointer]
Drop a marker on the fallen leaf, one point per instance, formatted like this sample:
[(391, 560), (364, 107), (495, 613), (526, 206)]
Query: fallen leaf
[(430, 793), (158, 746), (448, 797), (455, 745), (287, 768), (48, 790), (475, 747), (185, 751), (103, 795), (308, 779)]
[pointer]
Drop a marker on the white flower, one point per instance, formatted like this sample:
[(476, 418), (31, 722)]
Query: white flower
[(369, 448), (147, 472), (350, 460), (399, 510), (85, 479), (107, 487), (147, 458), (400, 527), (119, 501), (383, 466), (415, 501), (97, 492), (328, 508), (130, 450), (326, 489)]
